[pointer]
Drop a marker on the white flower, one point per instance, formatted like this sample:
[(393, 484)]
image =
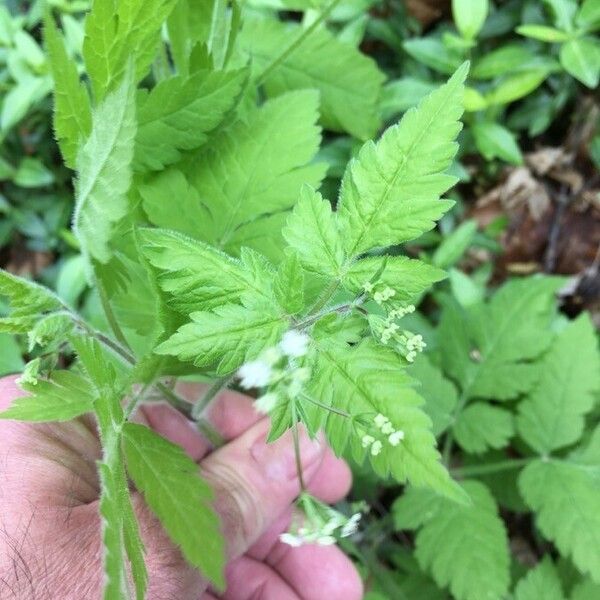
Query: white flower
[(380, 420), (271, 356), (376, 447), (265, 404), (387, 428), (368, 287), (396, 437), (367, 440), (326, 540), (254, 374), (294, 343), (351, 526), (291, 540)]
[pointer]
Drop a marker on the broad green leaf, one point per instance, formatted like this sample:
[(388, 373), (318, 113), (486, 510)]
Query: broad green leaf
[(72, 113), (62, 397), (32, 173), (553, 415), (408, 276), (516, 86), (116, 32), (226, 337), (17, 102), (488, 349), (104, 168), (439, 393), (257, 166), (589, 14), (469, 16), (481, 426), (11, 360), (581, 58), (465, 289), (495, 141), (586, 590), (366, 380), (200, 277), (171, 485), (564, 496), (543, 33), (503, 60), (402, 94), (453, 246), (391, 191), (432, 52), (541, 582), (179, 112), (311, 230), (349, 82), (463, 547), (563, 12)]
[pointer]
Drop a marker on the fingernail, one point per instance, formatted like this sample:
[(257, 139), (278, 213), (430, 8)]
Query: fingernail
[(278, 460)]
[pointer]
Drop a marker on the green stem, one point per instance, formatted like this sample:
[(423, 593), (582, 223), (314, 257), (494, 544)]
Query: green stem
[(212, 392), (297, 447), (210, 433), (297, 42), (488, 469), (175, 400), (335, 411)]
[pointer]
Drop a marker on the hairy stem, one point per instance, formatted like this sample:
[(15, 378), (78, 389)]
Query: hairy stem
[(211, 393), (297, 447)]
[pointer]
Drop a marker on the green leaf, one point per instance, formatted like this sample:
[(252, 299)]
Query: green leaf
[(586, 590), (256, 167), (349, 82), (104, 168), (288, 286), (11, 360), (368, 379), (72, 113), (171, 485), (402, 94), (506, 59), (27, 298), (540, 582), (480, 427), (581, 58), (179, 113), (553, 415), (564, 496), (588, 15), (495, 141), (226, 337), (543, 33), (432, 52), (311, 230), (408, 276), (469, 16), (517, 86), (464, 547), (200, 277), (453, 246), (116, 32), (32, 173), (62, 397), (489, 349), (390, 192), (439, 393)]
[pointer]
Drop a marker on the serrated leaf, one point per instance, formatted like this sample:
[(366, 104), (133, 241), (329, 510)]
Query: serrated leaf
[(439, 393), (391, 191), (311, 230), (62, 397), (104, 171), (369, 379), (553, 415), (200, 277), (349, 82), (256, 167), (564, 496), (408, 277), (171, 485), (72, 113), (481, 426), (489, 348), (540, 582), (288, 286), (179, 112), (462, 547), (226, 337)]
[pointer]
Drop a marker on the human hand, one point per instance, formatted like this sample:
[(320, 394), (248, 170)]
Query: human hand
[(50, 544)]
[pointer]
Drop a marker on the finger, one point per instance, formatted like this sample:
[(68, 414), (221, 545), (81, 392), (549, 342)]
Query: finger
[(332, 574), (255, 481), (330, 484), (249, 579), (231, 414)]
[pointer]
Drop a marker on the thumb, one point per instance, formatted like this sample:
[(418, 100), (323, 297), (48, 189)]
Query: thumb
[(256, 482)]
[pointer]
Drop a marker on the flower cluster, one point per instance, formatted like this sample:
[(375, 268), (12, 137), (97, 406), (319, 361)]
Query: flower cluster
[(277, 369), (317, 523), (392, 436)]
